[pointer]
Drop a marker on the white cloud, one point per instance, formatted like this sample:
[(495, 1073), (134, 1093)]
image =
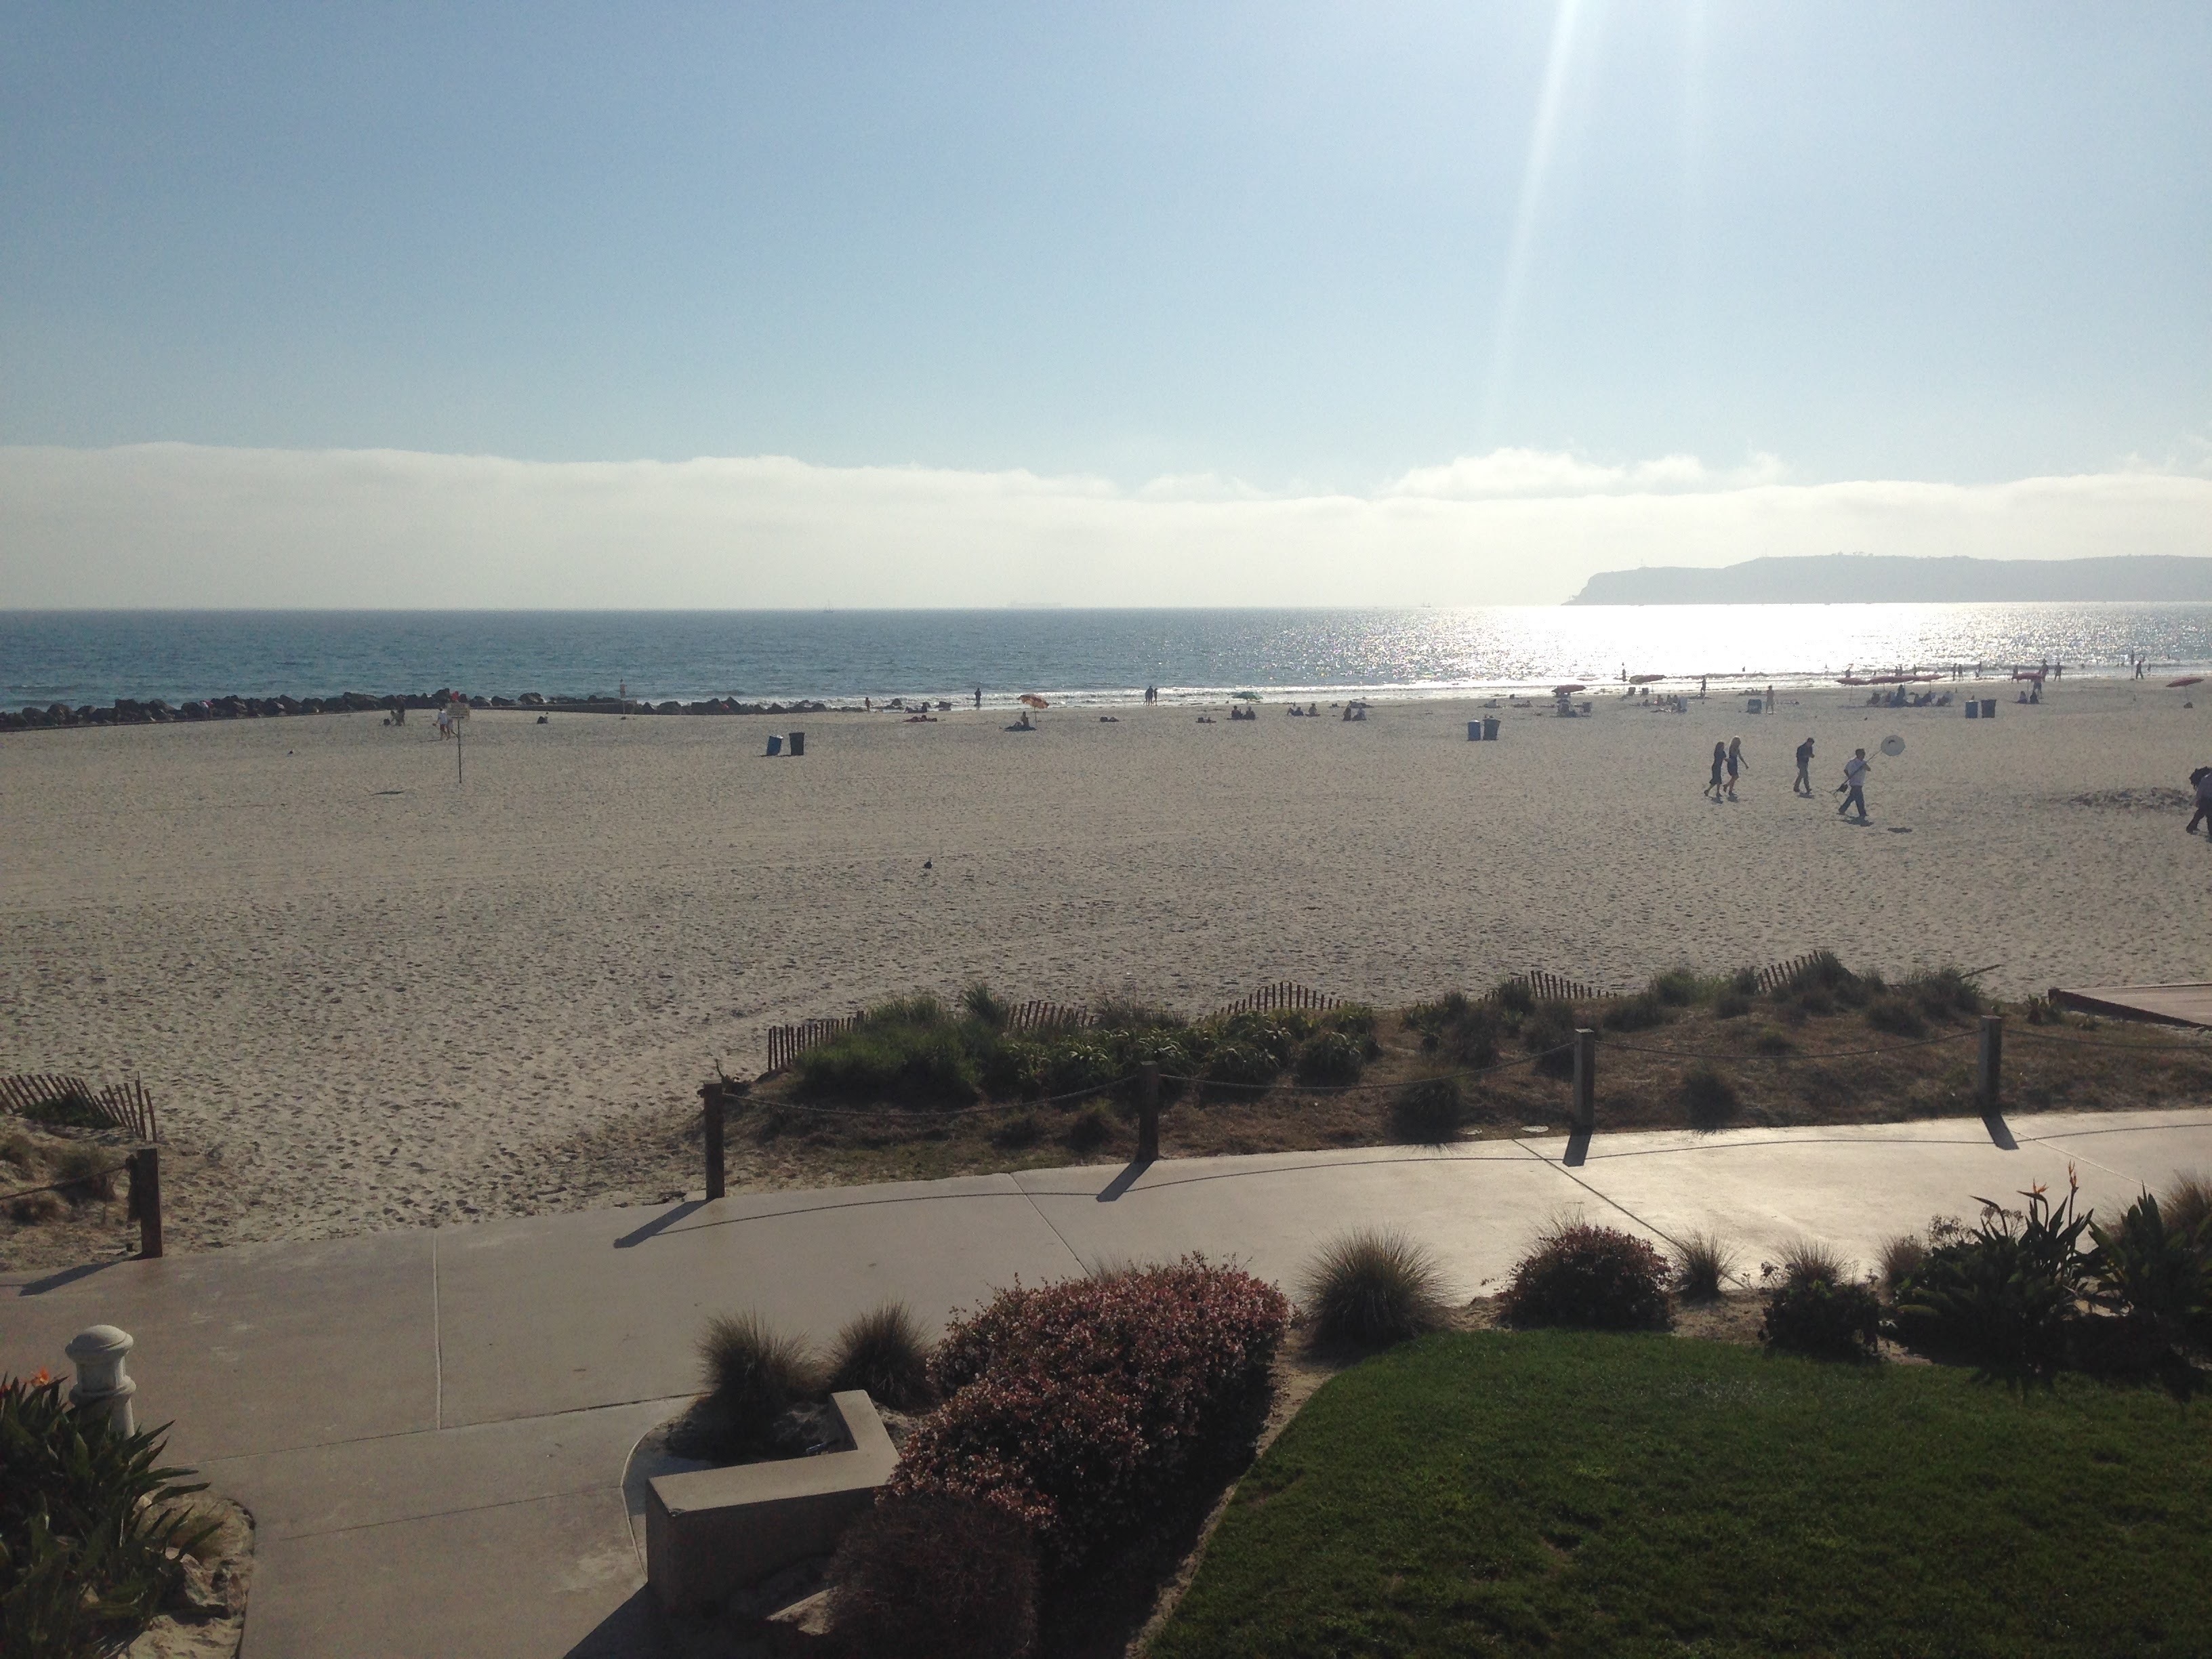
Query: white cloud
[(179, 525)]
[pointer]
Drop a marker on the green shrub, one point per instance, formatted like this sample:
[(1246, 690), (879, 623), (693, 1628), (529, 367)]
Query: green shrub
[(1900, 1259), (1826, 1320), (1076, 1063), (1822, 982), (1709, 1099), (753, 1374), (2154, 1274), (67, 1109), (1122, 1013), (1552, 1028), (1731, 1003), (984, 1005), (1277, 1034), (1896, 1015), (90, 1527), (885, 1352), (1703, 1265), (1428, 1111), (1457, 1029), (1583, 1274), (1240, 1068), (1514, 996), (2006, 1294), (922, 1062), (1944, 993), (1678, 987), (1370, 1288), (1013, 1069), (1329, 1057), (1744, 982), (1357, 1021), (927, 1576), (1640, 1012)]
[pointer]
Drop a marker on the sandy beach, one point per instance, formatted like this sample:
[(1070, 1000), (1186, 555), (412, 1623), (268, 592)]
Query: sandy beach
[(367, 995)]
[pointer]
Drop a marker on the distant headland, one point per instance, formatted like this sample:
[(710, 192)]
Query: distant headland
[(1886, 579)]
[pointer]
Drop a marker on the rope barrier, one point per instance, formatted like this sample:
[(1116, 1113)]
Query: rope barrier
[(1822, 1054), (2153, 1047), (63, 1186), (1358, 1088)]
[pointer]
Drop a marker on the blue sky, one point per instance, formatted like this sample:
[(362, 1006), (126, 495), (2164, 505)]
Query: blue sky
[(1294, 249)]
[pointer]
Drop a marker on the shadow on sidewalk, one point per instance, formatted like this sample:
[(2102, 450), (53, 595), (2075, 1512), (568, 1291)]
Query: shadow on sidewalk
[(1129, 1178), (675, 1213)]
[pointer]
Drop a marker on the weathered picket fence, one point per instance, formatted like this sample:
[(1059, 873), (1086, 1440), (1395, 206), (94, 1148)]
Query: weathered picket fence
[(125, 1106)]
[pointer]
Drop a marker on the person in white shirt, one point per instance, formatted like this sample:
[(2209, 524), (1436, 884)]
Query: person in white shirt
[(1855, 776)]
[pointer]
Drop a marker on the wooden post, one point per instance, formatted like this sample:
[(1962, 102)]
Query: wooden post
[(1989, 1076), (1148, 1111), (145, 1167), (710, 1103), (1585, 1104)]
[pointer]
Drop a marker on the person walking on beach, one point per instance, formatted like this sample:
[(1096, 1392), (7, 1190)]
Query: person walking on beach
[(1804, 784), (1855, 776), (2200, 781), (1735, 763), (1713, 785)]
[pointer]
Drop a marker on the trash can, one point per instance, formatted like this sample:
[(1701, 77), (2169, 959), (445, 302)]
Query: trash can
[(1989, 708), (1973, 709), (775, 743), (798, 744), (1490, 728), (1753, 705)]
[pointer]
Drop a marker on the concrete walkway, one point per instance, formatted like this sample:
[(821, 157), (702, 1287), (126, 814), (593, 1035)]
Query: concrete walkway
[(432, 1427)]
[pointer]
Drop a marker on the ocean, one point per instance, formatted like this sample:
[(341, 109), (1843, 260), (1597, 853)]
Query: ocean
[(1105, 656)]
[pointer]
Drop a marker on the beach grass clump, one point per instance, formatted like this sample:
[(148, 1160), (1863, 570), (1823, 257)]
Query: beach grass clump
[(1710, 1100), (1899, 1259), (1428, 1111), (1117, 1012), (1644, 1012), (2187, 1201), (1239, 1068), (1515, 997), (1329, 1057), (1089, 1129), (984, 1005), (1896, 1015), (1456, 1027), (1680, 987), (68, 1107), (1730, 1004), (1801, 1260), (933, 1576), (1371, 1288), (753, 1374), (1821, 984), (1704, 1263), (1018, 1132), (1579, 1273), (1943, 993), (86, 1175), (1548, 1032), (886, 1351)]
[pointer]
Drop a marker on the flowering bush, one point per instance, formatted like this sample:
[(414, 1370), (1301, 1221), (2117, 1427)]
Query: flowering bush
[(1580, 1274), (1076, 1406)]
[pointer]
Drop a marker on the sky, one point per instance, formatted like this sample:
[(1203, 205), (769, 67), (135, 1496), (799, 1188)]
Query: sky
[(732, 304)]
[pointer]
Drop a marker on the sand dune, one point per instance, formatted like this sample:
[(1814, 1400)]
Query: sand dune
[(369, 990)]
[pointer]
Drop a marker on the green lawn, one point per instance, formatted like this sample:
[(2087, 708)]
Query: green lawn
[(1586, 1494)]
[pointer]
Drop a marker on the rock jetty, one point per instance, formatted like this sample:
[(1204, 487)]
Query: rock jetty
[(124, 711)]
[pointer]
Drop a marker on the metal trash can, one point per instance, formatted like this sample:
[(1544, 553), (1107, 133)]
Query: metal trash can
[(1490, 728), (1474, 731), (774, 743), (1989, 708), (1973, 709), (798, 743)]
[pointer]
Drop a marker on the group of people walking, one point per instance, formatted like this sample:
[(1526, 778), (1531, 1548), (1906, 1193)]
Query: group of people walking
[(1728, 765)]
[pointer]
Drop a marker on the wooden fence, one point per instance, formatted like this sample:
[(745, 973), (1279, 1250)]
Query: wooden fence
[(1282, 994), (1781, 973), (1039, 1016), (1554, 987), (124, 1106), (787, 1042)]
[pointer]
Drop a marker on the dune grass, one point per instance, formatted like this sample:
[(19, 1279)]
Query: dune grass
[(1582, 1494)]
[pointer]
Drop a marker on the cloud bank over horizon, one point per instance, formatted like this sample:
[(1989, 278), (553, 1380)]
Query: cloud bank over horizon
[(172, 525)]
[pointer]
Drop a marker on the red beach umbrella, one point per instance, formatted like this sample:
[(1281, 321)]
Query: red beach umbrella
[(1034, 701), (2186, 679), (1568, 690)]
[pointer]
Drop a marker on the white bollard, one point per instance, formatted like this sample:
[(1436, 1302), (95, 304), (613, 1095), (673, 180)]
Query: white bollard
[(102, 1389)]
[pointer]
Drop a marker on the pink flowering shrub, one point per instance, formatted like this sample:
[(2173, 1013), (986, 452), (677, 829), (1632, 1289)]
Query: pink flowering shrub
[(1076, 1406)]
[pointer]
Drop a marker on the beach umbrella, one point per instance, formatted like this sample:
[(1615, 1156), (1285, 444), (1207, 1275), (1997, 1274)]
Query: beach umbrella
[(1644, 679), (1569, 691), (1034, 701), (2186, 679), (1893, 746)]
